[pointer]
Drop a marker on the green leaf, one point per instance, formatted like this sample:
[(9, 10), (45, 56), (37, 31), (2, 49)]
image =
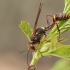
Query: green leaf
[(61, 64), (67, 7), (26, 29), (61, 50)]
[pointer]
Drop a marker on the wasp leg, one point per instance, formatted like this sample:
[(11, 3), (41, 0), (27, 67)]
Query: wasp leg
[(54, 22), (39, 50), (47, 40), (57, 29), (48, 19)]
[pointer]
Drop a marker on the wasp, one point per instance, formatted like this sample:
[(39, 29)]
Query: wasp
[(37, 34), (57, 17)]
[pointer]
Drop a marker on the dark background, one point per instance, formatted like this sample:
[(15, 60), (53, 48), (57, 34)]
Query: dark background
[(12, 39)]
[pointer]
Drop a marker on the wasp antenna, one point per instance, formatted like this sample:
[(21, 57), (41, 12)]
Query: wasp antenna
[(36, 21), (41, 4), (22, 51), (27, 57)]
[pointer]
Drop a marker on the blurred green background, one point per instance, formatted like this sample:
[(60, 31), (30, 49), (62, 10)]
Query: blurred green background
[(12, 39)]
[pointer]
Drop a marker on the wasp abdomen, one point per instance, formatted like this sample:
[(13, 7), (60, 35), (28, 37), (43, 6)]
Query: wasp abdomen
[(61, 16)]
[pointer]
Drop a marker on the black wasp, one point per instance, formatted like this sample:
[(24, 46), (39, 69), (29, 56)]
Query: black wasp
[(37, 34)]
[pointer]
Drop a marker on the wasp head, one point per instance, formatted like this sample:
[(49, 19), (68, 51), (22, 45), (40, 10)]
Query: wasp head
[(31, 46)]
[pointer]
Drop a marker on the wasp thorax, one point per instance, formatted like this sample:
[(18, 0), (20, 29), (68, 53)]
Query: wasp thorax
[(38, 35)]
